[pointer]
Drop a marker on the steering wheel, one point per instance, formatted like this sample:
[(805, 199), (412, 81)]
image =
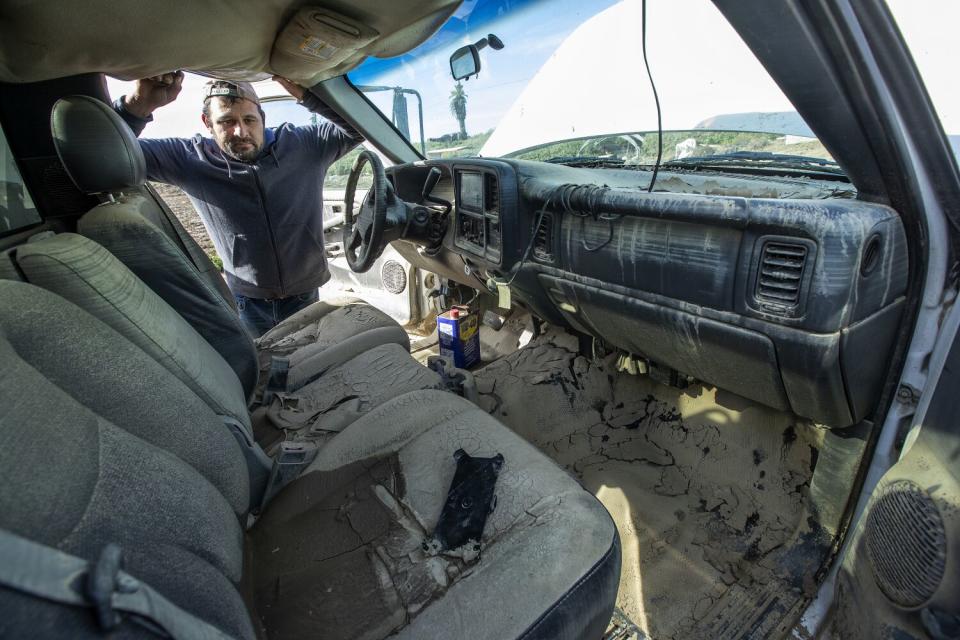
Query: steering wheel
[(363, 237)]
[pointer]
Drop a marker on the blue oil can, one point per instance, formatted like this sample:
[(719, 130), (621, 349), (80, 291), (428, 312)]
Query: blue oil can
[(459, 334)]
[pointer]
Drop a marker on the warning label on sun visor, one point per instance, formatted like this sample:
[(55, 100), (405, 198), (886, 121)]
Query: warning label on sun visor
[(314, 46)]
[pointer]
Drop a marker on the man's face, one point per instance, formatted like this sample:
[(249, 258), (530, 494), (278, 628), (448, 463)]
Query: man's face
[(237, 127)]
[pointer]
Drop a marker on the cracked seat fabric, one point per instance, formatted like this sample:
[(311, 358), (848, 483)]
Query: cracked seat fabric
[(547, 567), (147, 238), (349, 390), (325, 334)]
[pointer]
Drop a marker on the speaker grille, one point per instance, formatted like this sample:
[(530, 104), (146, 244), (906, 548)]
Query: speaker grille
[(393, 276), (906, 543)]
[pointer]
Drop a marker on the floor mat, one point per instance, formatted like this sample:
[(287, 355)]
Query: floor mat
[(710, 494)]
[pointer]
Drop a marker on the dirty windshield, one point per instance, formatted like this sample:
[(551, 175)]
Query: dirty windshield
[(569, 86)]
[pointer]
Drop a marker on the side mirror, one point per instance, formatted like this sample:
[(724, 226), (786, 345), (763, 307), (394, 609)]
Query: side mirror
[(465, 61)]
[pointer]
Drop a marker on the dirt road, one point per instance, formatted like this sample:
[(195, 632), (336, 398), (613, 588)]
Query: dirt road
[(180, 204)]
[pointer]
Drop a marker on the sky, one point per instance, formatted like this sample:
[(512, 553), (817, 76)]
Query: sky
[(590, 70)]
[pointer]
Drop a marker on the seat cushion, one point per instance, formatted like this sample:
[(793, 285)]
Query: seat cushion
[(88, 275), (375, 493), (328, 333)]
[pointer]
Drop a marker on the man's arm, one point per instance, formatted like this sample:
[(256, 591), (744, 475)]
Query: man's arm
[(135, 122), (338, 137), (319, 107), (149, 94)]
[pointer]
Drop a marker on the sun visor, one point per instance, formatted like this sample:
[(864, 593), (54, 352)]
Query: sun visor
[(317, 39)]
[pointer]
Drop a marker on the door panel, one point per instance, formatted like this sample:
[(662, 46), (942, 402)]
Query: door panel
[(903, 576)]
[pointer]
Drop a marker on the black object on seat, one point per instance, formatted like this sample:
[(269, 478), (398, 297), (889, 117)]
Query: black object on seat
[(470, 499)]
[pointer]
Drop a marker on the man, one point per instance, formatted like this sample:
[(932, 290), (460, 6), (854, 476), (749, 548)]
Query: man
[(258, 191)]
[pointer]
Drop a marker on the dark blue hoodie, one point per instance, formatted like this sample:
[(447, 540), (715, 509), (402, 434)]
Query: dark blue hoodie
[(265, 217)]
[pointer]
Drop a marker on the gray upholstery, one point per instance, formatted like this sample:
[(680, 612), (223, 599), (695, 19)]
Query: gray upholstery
[(85, 273), (155, 211), (376, 491), (106, 373), (191, 286), (323, 335), (349, 390), (98, 150), (8, 266), (75, 481)]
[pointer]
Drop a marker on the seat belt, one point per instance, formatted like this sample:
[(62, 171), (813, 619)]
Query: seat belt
[(259, 465), (49, 574), (268, 476)]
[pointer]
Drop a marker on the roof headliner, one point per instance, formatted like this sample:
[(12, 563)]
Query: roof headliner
[(131, 39)]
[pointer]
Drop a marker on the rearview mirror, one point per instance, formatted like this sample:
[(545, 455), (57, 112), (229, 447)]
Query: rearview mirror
[(465, 61)]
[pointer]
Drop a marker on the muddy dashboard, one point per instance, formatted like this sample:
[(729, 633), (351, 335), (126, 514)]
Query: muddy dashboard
[(773, 289)]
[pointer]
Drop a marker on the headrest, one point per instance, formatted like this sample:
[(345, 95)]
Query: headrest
[(96, 147)]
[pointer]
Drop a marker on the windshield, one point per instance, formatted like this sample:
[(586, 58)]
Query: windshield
[(569, 86)]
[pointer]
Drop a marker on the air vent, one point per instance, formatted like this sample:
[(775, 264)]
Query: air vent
[(781, 273), (491, 193), (543, 243)]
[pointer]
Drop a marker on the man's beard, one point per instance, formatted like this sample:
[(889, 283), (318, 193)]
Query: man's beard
[(230, 147)]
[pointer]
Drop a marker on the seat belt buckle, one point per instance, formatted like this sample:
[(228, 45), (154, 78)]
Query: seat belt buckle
[(289, 462), (455, 380), (295, 454)]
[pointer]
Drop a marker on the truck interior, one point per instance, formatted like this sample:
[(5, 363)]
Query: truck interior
[(684, 372)]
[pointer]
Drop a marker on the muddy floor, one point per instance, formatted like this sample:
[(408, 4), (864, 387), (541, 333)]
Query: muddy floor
[(710, 494)]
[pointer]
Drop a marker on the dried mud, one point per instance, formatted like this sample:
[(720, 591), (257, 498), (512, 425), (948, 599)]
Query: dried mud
[(711, 501)]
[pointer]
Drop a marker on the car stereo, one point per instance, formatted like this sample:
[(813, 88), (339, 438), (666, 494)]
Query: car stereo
[(478, 213)]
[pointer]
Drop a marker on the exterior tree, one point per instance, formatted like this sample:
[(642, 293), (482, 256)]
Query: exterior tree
[(458, 107)]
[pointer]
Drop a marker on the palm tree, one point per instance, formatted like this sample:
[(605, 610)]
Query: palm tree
[(458, 107)]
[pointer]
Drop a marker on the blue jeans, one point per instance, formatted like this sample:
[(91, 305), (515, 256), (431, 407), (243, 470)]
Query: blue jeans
[(259, 316)]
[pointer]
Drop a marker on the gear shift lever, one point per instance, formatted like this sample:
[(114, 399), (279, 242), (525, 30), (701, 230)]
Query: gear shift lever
[(433, 177)]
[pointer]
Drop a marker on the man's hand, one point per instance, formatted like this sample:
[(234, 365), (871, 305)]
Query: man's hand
[(152, 93), (292, 87)]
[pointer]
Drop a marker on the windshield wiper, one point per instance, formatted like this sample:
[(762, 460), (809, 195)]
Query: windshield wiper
[(760, 159), (587, 161)]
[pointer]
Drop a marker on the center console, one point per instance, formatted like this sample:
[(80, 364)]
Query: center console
[(478, 213)]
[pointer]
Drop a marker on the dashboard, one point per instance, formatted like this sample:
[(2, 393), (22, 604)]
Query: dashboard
[(782, 290)]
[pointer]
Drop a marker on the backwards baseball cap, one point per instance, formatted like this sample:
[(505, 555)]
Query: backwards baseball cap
[(230, 89)]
